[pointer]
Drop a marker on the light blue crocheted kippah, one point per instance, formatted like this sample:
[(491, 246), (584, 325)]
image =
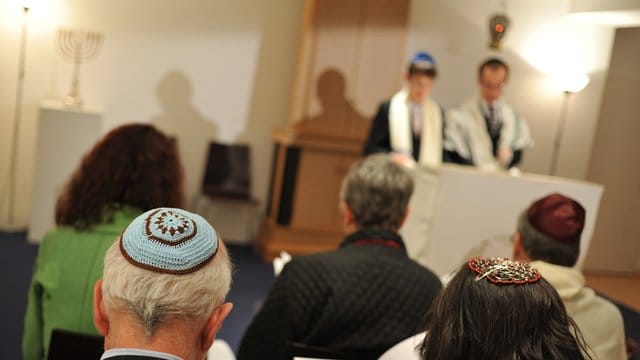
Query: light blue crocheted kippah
[(167, 240)]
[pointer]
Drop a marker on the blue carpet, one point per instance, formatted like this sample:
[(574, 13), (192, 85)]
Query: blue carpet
[(16, 261), (252, 279)]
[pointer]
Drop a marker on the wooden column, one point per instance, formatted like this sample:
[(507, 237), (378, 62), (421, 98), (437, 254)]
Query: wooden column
[(350, 58)]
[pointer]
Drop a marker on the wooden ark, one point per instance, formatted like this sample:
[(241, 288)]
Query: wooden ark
[(350, 58)]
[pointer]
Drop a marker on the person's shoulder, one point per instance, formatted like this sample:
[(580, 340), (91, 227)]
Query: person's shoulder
[(406, 349), (58, 236), (311, 261), (424, 273), (384, 106), (607, 308)]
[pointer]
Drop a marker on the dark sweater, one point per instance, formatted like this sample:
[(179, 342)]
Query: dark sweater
[(362, 298)]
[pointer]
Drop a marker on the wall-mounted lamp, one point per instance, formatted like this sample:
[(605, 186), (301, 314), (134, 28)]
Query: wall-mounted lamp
[(498, 25), (569, 84)]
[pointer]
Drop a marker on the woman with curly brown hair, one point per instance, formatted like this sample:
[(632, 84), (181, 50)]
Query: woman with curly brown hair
[(134, 168)]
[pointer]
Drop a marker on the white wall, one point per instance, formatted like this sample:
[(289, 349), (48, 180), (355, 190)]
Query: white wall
[(236, 55), (239, 55)]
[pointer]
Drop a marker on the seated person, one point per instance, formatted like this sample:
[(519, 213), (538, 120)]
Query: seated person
[(548, 236), (134, 168), (496, 309), (163, 289), (361, 298)]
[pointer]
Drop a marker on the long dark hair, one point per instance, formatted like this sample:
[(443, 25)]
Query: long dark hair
[(134, 165), (477, 319)]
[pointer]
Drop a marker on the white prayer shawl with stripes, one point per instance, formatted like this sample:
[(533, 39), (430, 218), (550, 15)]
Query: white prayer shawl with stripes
[(466, 133), (400, 129)]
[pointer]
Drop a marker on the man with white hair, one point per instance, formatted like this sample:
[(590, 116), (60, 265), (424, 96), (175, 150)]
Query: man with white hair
[(359, 299), (162, 294)]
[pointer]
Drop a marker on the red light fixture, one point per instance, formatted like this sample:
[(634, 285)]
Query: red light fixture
[(498, 25)]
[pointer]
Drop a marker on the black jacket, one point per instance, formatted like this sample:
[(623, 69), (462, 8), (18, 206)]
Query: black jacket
[(362, 298), (379, 139)]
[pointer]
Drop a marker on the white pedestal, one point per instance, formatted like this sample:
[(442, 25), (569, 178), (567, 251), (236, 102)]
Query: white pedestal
[(459, 212), (63, 136)]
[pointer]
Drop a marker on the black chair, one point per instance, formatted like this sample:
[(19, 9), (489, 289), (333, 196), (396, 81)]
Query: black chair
[(66, 344), (227, 171), (303, 350)]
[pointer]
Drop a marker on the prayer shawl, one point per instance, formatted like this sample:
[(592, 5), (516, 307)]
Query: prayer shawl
[(400, 124), (466, 133)]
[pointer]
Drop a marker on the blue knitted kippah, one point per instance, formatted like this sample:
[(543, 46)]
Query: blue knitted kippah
[(423, 60), (167, 240)]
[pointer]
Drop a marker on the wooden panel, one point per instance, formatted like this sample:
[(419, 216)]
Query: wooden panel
[(350, 58), (614, 161), (382, 61), (316, 198), (353, 59)]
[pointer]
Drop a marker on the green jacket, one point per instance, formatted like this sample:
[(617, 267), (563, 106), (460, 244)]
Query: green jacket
[(68, 265)]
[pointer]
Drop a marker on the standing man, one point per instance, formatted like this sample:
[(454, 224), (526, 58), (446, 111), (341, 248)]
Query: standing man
[(548, 236), (410, 124), (486, 131), (359, 299)]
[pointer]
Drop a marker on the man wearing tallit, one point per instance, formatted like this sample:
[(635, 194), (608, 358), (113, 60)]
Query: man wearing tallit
[(410, 125), (485, 130)]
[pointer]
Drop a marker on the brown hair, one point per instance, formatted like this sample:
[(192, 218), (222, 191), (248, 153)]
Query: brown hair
[(473, 318), (134, 165), (492, 63)]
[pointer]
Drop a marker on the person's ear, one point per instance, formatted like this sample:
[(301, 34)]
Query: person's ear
[(347, 214), (213, 325), (404, 217), (518, 251), (100, 318)]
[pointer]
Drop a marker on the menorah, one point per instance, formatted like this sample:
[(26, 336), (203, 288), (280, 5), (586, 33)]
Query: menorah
[(78, 46)]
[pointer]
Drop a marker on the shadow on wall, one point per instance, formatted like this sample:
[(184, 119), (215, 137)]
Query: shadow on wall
[(182, 120), (338, 116)]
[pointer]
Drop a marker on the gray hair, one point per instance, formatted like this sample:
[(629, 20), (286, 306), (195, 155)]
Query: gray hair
[(539, 246), (152, 298), (377, 191)]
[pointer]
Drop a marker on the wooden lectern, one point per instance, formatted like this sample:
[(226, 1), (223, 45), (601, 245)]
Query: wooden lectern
[(351, 57)]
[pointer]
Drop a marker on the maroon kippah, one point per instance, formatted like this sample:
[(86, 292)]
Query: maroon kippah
[(558, 217)]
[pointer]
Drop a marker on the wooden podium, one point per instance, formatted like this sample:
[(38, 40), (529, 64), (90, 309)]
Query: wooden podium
[(351, 57), (302, 215)]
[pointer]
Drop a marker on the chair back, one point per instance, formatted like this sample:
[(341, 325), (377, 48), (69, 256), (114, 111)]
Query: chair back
[(66, 344), (303, 351)]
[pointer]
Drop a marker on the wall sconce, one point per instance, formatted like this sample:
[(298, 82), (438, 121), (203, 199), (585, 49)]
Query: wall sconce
[(498, 25)]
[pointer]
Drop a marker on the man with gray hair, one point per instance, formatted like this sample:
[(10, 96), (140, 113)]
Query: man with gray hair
[(162, 294), (360, 299)]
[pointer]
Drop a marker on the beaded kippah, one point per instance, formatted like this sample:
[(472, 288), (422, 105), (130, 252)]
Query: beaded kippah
[(504, 271), (167, 240)]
